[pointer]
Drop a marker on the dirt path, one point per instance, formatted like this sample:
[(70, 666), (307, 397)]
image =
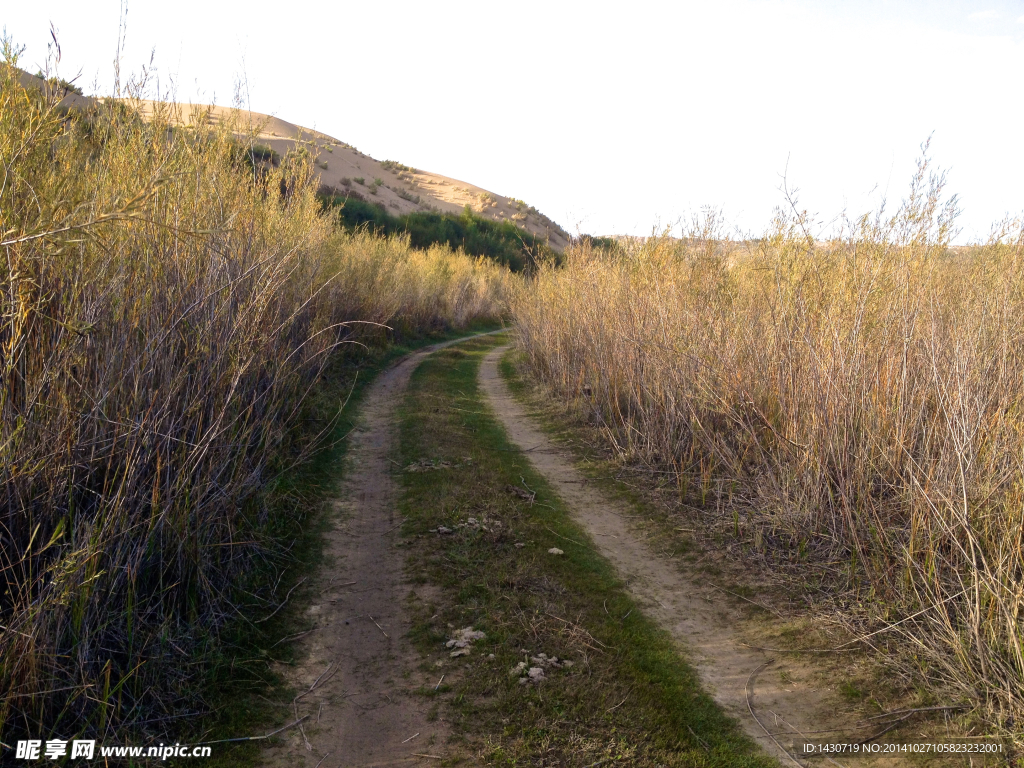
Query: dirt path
[(357, 674), (775, 699)]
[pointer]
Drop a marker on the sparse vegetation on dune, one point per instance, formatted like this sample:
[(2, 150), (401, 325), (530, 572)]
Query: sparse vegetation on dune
[(397, 167), (855, 403), (166, 311)]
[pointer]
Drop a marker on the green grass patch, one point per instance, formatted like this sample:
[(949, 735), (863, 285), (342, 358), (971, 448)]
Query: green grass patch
[(628, 696)]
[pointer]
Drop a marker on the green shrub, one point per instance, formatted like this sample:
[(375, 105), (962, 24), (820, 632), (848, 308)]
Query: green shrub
[(501, 241), (61, 84), (263, 153), (604, 243)]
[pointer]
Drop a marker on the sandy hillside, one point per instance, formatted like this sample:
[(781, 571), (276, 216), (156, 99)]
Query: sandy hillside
[(402, 189), (69, 99), (345, 169)]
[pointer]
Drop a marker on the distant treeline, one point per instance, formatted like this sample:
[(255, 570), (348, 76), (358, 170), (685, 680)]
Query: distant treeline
[(502, 241)]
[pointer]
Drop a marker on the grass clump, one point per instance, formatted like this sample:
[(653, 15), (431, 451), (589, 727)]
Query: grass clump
[(852, 406), (627, 695), (167, 314)]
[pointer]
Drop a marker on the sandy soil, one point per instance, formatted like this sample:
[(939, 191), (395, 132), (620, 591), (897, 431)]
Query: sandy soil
[(357, 674), (775, 697)]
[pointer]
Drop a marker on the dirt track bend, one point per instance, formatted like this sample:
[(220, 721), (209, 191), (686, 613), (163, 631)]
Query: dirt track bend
[(785, 695), (357, 673)]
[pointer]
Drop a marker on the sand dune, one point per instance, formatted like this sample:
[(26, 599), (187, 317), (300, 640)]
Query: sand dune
[(69, 99), (402, 190)]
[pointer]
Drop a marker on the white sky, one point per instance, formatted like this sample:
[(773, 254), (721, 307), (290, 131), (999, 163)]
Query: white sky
[(609, 117)]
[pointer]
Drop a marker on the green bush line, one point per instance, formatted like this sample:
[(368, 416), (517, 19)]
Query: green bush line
[(663, 716), (501, 241)]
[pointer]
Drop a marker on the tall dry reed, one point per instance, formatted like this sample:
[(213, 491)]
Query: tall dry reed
[(859, 403), (166, 305)]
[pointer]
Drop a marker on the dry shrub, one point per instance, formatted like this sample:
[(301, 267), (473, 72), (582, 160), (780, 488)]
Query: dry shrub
[(167, 303), (860, 401), (393, 284)]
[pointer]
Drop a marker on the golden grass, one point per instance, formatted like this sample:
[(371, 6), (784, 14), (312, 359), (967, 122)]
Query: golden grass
[(858, 402), (167, 304)]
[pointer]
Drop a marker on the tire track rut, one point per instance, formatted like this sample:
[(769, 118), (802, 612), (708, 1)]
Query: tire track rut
[(776, 700), (357, 674)]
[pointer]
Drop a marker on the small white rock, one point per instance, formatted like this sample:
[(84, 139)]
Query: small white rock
[(463, 637), (555, 551)]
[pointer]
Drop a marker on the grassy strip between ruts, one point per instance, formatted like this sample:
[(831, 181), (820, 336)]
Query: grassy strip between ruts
[(245, 696), (628, 697)]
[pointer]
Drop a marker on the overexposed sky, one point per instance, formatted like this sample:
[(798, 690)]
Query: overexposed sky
[(608, 117)]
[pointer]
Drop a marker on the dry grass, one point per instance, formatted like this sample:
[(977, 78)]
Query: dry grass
[(167, 304), (856, 402)]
